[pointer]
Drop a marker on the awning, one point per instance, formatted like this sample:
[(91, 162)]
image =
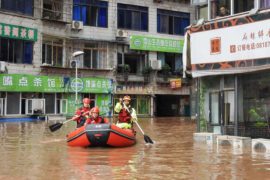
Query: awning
[(202, 73)]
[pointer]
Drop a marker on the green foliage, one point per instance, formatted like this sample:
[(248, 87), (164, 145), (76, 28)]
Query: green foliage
[(255, 114), (126, 68), (203, 122), (147, 70), (165, 69)]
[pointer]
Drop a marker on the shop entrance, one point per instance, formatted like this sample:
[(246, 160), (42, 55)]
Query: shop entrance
[(172, 105), (222, 109)]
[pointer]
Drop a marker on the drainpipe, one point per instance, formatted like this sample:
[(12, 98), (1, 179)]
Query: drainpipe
[(236, 105)]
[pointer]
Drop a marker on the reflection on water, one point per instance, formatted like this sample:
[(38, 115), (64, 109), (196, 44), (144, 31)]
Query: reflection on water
[(30, 151)]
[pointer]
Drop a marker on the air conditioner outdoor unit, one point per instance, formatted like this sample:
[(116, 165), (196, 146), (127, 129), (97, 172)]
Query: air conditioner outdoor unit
[(2, 66), (121, 33), (78, 25), (155, 64), (72, 64)]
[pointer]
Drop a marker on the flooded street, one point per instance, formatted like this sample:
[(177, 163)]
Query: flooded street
[(30, 151)]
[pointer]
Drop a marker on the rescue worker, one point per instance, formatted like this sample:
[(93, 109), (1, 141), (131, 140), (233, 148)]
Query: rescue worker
[(95, 118), (126, 113), (82, 113)]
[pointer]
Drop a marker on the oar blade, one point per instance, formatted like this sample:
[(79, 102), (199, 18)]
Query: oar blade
[(55, 127), (147, 139)]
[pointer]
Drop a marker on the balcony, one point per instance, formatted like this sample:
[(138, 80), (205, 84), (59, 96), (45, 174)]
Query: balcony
[(56, 10)]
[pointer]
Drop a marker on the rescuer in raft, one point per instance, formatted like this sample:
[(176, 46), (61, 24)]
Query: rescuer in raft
[(95, 118), (82, 113), (126, 114)]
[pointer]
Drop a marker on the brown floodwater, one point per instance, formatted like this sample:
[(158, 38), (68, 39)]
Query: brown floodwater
[(30, 151)]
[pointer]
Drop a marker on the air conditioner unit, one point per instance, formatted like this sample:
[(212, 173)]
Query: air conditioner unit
[(78, 25), (3, 66), (121, 33), (155, 64), (72, 64)]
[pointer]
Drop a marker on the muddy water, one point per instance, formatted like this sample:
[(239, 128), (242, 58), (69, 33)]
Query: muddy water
[(30, 151)]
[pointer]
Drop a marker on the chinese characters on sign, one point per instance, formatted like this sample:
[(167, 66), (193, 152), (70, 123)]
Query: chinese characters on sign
[(18, 32), (262, 38), (156, 44), (175, 83), (215, 45), (31, 83)]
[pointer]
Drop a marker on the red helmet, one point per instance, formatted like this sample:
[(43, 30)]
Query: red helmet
[(95, 110), (86, 101), (126, 98)]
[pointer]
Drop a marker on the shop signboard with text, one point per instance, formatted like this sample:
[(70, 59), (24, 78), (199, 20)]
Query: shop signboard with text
[(242, 42), (148, 43), (47, 84), (18, 32)]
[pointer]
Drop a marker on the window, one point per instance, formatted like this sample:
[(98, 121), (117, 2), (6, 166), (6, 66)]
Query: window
[(91, 13), (16, 51), (52, 52), (13, 103), (173, 60), (220, 8), (265, 3), (53, 9), (172, 22), (135, 60), (95, 55), (18, 6), (203, 12), (132, 17), (243, 5)]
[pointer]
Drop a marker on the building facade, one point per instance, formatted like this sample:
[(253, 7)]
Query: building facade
[(231, 70), (120, 40)]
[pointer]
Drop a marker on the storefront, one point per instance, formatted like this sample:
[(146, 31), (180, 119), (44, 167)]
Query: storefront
[(232, 72), (165, 60), (22, 94)]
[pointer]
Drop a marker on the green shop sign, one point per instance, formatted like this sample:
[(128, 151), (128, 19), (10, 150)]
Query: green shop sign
[(138, 42), (18, 32), (31, 83)]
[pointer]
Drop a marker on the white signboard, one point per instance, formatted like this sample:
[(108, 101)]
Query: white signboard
[(241, 42)]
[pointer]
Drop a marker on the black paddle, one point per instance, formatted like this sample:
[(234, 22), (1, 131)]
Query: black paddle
[(58, 125), (147, 139)]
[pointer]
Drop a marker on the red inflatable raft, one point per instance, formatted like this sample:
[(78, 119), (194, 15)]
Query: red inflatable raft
[(101, 135)]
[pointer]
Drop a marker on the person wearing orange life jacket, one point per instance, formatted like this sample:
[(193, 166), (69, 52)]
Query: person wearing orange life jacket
[(126, 113), (95, 118), (82, 113)]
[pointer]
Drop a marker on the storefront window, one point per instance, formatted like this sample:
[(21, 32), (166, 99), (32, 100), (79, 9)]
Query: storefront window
[(256, 97), (13, 103), (143, 105)]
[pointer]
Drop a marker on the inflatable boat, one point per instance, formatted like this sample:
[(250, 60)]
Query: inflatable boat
[(101, 135)]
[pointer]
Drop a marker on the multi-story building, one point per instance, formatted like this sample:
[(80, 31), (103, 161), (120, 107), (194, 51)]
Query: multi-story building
[(232, 67), (120, 40)]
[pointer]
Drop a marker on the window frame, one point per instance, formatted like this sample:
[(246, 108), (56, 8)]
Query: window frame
[(87, 8), (12, 50), (172, 16), (54, 46), (132, 9), (15, 9)]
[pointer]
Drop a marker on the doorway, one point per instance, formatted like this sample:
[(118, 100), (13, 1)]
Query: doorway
[(221, 109)]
